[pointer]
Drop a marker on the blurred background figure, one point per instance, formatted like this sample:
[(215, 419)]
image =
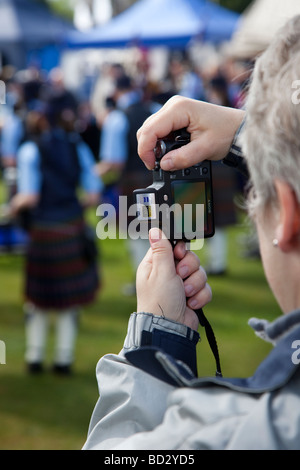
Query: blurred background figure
[(224, 191), (104, 88), (183, 77), (119, 163), (61, 273), (88, 128), (21, 90), (12, 130)]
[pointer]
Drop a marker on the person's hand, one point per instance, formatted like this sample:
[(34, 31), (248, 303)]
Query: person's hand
[(171, 284), (212, 130), (22, 201)]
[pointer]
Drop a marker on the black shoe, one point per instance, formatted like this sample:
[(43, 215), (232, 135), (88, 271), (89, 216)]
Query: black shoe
[(35, 367), (61, 369)]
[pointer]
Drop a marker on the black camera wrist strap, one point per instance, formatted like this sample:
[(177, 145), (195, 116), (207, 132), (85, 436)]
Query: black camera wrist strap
[(210, 335), (210, 338)]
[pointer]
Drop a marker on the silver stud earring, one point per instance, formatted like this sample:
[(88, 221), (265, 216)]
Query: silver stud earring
[(275, 242)]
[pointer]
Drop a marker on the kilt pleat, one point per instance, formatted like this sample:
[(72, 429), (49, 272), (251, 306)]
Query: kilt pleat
[(57, 273)]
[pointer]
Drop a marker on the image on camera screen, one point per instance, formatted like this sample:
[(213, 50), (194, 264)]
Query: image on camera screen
[(190, 203)]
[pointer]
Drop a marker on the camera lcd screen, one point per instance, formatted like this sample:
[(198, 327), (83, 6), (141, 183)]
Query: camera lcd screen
[(190, 214)]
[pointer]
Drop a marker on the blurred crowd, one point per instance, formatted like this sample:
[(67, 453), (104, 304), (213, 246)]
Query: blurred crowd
[(52, 139), (26, 90), (122, 97)]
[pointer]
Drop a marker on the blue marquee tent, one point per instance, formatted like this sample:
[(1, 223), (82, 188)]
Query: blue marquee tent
[(172, 23), (27, 25)]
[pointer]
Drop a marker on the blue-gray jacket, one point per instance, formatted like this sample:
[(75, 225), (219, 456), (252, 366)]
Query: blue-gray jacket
[(150, 400)]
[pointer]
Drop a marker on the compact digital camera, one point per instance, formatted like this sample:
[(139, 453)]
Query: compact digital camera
[(179, 202)]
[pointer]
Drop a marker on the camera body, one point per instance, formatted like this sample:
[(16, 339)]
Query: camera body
[(179, 202)]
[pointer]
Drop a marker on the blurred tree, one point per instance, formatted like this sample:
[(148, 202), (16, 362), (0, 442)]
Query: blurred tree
[(235, 5), (66, 7), (61, 7)]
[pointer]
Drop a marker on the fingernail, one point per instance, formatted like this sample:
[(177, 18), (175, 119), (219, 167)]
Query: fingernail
[(193, 304), (188, 289), (183, 271), (183, 248), (154, 235), (167, 164)]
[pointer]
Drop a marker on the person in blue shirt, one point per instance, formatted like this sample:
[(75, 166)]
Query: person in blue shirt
[(118, 154), (61, 265), (11, 137)]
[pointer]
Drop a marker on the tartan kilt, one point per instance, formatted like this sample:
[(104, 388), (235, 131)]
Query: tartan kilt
[(58, 275)]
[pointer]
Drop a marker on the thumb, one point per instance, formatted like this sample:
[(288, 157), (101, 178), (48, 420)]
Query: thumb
[(162, 252)]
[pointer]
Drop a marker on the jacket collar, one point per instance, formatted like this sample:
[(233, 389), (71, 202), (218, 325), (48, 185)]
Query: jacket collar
[(274, 331)]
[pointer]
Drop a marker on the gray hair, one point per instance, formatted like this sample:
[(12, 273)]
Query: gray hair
[(271, 136)]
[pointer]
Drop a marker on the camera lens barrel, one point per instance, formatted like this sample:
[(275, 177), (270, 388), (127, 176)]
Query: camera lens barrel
[(160, 149), (171, 142)]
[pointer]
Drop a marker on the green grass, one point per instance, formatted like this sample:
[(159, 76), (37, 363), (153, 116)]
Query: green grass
[(49, 412)]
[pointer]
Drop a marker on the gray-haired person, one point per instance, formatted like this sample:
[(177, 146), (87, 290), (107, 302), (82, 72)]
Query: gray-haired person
[(150, 395)]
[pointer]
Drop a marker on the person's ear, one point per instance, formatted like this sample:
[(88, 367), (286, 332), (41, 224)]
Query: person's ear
[(288, 228)]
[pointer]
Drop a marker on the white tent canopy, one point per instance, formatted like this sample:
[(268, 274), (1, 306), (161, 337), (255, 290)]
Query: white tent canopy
[(259, 24)]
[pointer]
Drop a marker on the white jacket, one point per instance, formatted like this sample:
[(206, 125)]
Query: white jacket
[(149, 400)]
